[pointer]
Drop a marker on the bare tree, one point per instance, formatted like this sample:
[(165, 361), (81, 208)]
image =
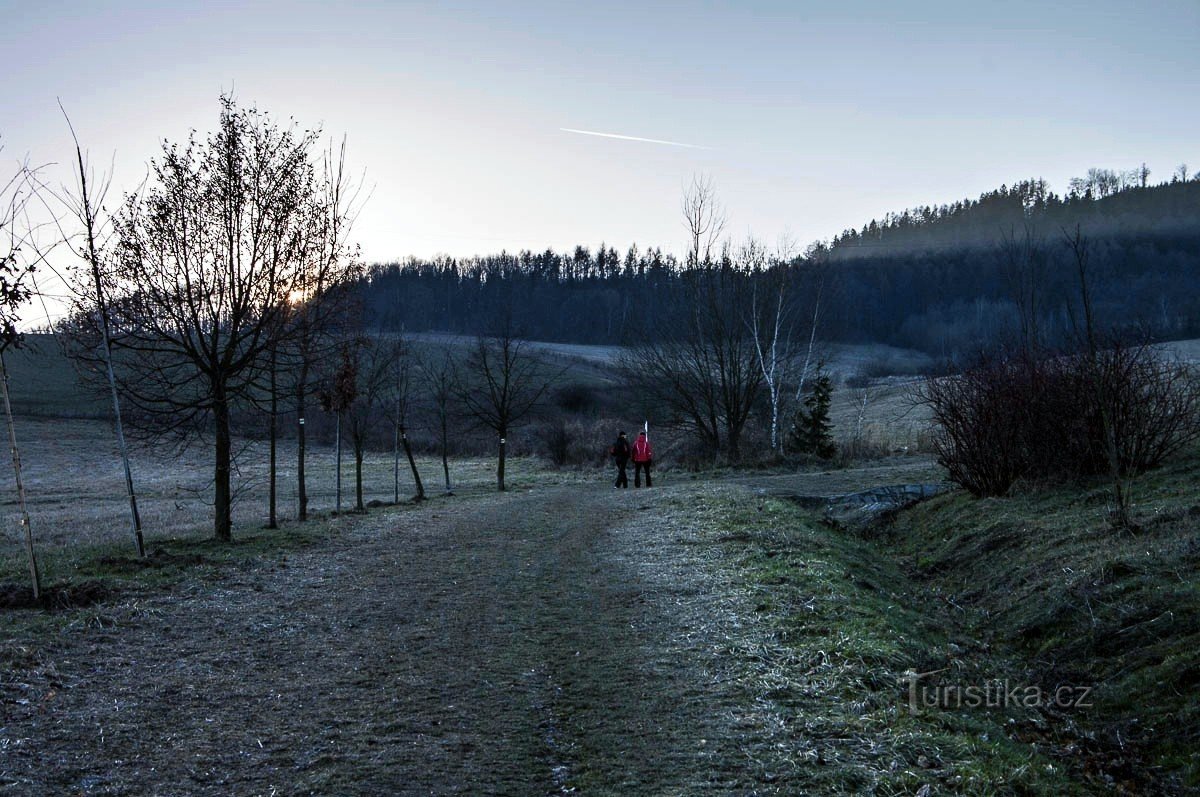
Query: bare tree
[(399, 381), (210, 255), (503, 382), (772, 325), (337, 394), (1025, 264), (14, 292), (697, 362), (815, 269), (440, 375), (864, 394), (1122, 518), (704, 218), (320, 307), (85, 203)]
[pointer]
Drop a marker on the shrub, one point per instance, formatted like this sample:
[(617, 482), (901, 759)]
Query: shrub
[(1035, 417), (556, 442)]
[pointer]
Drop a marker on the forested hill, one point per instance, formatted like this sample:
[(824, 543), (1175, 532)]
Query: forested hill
[(1105, 204), (934, 278)]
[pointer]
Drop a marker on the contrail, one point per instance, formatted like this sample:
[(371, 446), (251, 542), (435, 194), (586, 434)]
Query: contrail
[(632, 138)]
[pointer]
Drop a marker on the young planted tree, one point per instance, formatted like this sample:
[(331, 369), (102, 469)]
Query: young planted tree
[(337, 395), (321, 308), (85, 203), (15, 274), (398, 378), (503, 382), (440, 375), (223, 237)]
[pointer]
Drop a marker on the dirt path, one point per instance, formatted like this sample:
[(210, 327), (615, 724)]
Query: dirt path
[(518, 644)]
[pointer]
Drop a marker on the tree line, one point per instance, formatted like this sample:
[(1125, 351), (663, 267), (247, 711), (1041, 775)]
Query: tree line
[(935, 279)]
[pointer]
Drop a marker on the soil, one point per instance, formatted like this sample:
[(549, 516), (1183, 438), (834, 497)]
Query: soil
[(54, 596), (530, 643)]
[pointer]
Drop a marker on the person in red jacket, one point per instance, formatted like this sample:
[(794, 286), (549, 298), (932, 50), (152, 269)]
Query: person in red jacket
[(643, 455)]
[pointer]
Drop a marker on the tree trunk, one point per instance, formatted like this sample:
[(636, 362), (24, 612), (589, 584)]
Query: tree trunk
[(445, 458), (272, 520), (223, 497), (500, 465), (396, 465), (358, 493), (412, 463), (338, 448), (301, 492), (93, 259), (34, 577)]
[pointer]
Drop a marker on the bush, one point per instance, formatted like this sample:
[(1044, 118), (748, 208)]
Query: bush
[(578, 398), (860, 448), (1037, 417), (556, 442)]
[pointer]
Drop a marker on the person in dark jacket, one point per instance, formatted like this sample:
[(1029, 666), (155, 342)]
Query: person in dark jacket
[(643, 455), (620, 452)]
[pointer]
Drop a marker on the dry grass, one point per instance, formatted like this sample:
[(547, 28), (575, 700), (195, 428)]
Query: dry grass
[(76, 490)]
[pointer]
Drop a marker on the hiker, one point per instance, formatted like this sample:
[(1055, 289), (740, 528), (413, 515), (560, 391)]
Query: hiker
[(642, 456), (620, 452)]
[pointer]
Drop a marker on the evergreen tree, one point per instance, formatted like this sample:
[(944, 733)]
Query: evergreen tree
[(811, 431)]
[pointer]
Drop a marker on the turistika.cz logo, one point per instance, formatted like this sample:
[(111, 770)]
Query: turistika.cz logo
[(995, 693)]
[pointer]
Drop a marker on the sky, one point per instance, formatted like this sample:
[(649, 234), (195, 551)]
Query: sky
[(808, 117)]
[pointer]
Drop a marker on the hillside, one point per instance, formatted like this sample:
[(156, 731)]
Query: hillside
[(935, 278)]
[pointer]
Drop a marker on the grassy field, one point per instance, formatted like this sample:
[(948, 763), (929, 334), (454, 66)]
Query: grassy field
[(76, 492)]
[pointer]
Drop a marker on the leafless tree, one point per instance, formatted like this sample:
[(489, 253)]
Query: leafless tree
[(337, 394), (440, 375), (814, 271), (84, 202), (704, 218), (1026, 262), (322, 307), (773, 326), (15, 275), (212, 252), (863, 394), (399, 404), (1100, 387), (502, 382), (377, 364), (696, 361)]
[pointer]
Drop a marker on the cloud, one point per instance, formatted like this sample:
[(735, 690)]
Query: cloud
[(632, 138)]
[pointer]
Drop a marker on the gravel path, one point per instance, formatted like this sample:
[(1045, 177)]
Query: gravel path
[(524, 644)]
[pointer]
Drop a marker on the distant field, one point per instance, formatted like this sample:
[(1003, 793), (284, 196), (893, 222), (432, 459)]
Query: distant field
[(43, 381)]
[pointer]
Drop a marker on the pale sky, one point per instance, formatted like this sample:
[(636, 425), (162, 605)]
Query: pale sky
[(809, 117)]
